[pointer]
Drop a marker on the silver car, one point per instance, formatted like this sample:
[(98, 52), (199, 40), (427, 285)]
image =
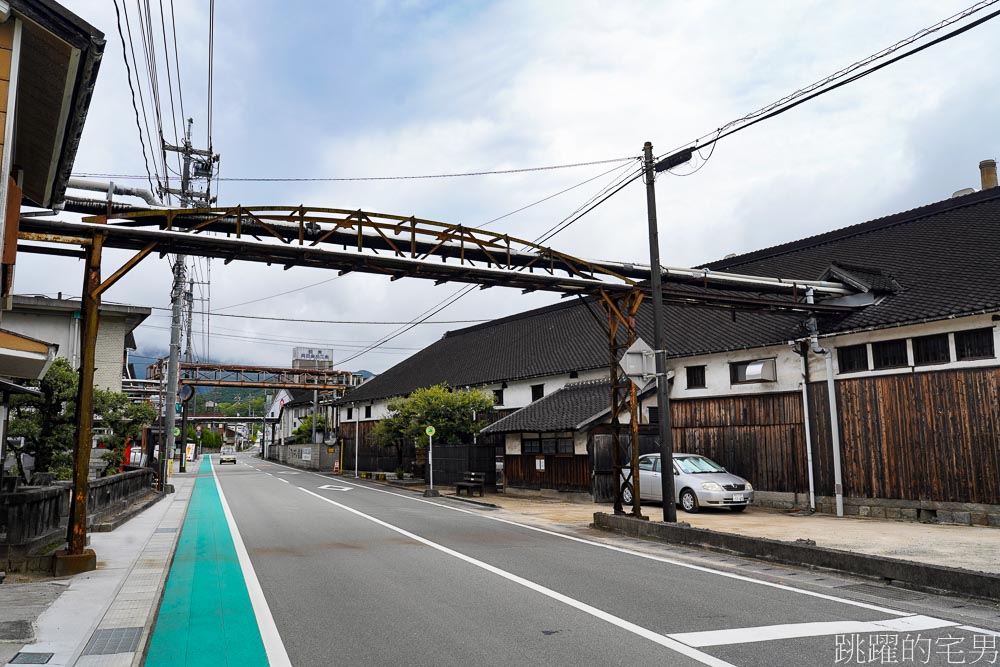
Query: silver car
[(698, 482)]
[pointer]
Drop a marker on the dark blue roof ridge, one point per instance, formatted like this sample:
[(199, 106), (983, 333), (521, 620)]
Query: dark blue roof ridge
[(534, 312), (875, 224)]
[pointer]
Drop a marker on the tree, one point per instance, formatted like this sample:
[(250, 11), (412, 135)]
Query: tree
[(123, 419), (447, 410), (47, 422), (305, 426)]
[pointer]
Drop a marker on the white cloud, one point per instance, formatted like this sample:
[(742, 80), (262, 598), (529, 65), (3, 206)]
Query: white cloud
[(524, 83)]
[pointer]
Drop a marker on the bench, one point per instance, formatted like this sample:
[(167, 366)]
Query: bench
[(471, 481)]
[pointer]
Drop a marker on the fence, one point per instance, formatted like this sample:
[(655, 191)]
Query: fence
[(33, 517), (109, 495)]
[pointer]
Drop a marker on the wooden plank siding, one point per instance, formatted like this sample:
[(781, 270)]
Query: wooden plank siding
[(562, 472), (915, 436), (758, 437)]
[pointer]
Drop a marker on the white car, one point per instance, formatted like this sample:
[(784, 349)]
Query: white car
[(698, 482), (227, 455)]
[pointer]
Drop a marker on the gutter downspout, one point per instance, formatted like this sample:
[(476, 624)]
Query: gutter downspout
[(804, 353), (112, 189), (357, 436), (831, 390)]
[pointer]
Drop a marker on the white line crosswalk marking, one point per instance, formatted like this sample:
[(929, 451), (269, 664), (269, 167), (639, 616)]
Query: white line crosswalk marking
[(799, 630)]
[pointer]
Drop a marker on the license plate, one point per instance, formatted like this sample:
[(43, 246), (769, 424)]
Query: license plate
[(738, 498)]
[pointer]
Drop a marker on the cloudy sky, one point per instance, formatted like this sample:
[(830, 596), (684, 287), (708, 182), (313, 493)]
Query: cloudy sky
[(346, 89)]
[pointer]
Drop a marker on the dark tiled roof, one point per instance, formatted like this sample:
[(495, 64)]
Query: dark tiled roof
[(562, 410), (928, 263), (943, 257)]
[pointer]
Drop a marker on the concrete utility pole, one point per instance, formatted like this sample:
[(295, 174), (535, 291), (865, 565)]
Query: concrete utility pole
[(202, 169), (659, 344)]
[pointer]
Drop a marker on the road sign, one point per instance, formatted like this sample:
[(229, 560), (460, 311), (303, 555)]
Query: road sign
[(430, 430), (639, 363), (177, 432), (331, 487)]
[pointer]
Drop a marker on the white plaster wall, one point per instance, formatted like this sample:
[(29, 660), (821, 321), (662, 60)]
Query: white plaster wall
[(580, 443), (109, 353), (512, 443), (788, 371)]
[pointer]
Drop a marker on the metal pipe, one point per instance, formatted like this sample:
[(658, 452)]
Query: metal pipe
[(831, 390), (111, 188), (357, 432)]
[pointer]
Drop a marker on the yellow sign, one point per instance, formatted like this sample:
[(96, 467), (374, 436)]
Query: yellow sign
[(430, 430)]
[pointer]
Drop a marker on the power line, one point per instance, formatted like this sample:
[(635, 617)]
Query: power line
[(497, 172), (823, 86), (211, 66), (315, 321), (177, 60), (128, 73)]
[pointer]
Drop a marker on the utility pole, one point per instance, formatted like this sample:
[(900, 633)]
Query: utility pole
[(202, 162), (659, 344)]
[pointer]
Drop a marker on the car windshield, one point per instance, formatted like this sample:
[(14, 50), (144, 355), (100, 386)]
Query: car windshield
[(228, 450), (693, 465)]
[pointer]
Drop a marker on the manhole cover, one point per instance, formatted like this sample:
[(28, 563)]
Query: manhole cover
[(31, 659), (115, 640), (887, 592)]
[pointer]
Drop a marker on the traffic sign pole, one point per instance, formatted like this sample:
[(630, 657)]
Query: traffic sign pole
[(430, 431)]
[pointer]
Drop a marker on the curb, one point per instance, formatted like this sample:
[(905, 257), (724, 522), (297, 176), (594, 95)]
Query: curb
[(921, 576)]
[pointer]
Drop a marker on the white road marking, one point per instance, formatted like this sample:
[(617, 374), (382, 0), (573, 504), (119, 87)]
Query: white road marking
[(611, 547), (798, 630), (273, 646), (332, 487), (646, 633), (284, 480), (979, 631)]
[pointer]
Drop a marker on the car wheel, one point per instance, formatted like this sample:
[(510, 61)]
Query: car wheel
[(739, 508), (689, 501), (627, 495)]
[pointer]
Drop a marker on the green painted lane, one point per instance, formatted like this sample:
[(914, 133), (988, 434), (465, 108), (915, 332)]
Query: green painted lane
[(206, 617)]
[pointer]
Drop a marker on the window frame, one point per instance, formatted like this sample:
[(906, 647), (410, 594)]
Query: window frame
[(498, 397), (733, 373), (895, 341), (920, 341), (848, 349), (988, 332), (539, 389), (368, 412), (703, 369)]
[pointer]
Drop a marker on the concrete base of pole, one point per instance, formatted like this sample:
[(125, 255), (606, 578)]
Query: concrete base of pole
[(65, 564), (431, 493)]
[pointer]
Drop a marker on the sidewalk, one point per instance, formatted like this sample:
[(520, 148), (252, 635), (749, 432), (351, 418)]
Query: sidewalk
[(968, 547), (101, 617)]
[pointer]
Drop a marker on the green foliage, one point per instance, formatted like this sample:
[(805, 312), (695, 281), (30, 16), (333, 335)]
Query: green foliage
[(448, 411), (46, 423), (124, 420), (305, 427)]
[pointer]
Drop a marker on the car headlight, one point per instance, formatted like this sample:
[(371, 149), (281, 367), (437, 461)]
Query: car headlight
[(749, 486), (711, 486)]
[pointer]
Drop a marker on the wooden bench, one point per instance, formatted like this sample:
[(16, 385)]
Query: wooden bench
[(471, 481)]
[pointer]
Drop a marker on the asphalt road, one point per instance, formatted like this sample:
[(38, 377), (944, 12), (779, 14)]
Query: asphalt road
[(365, 574)]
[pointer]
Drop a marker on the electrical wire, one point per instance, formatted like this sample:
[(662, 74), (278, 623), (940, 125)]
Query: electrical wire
[(265, 298), (315, 321), (128, 74), (177, 60), (837, 80), (497, 172), (170, 83)]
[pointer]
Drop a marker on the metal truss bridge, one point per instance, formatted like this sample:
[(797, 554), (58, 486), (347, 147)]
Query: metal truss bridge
[(226, 375)]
